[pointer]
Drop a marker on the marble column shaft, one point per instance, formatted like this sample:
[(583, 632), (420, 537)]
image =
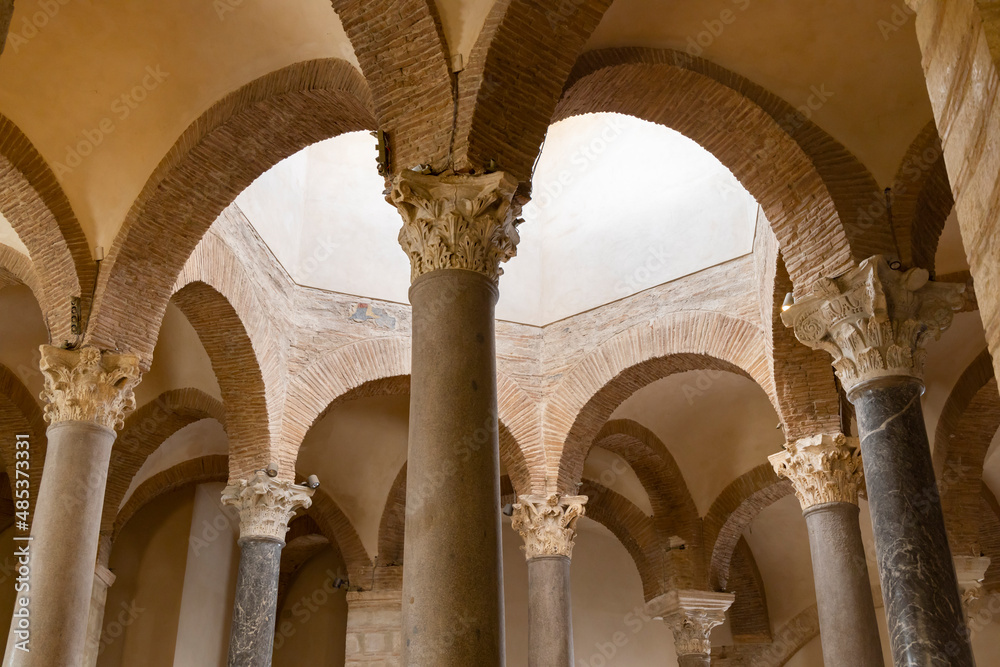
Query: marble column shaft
[(875, 322), (87, 394), (456, 231), (548, 527), (265, 505), (826, 473), (915, 566)]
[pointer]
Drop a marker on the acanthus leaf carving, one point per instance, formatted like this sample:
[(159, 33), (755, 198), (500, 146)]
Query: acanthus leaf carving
[(822, 468), (266, 505), (548, 523), (88, 385)]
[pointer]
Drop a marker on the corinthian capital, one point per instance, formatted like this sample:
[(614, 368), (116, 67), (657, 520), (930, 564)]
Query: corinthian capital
[(266, 505), (547, 524), (457, 221), (822, 468), (875, 321), (88, 385), (691, 615)]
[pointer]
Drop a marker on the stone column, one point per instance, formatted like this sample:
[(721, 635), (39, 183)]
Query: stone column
[(826, 472), (87, 394), (265, 506), (971, 572), (875, 323), (457, 229), (103, 578), (548, 526), (691, 616)]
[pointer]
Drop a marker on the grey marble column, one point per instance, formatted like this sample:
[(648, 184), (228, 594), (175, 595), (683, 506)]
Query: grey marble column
[(251, 638), (265, 505), (87, 394), (826, 473), (691, 617), (456, 230), (927, 624), (548, 526), (875, 322)]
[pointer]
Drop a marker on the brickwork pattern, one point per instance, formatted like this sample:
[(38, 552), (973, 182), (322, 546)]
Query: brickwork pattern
[(811, 189), (968, 423), (588, 394), (748, 616), (19, 413), (733, 512), (674, 511), (145, 430), (515, 76), (960, 60), (921, 199), (216, 158), (37, 208)]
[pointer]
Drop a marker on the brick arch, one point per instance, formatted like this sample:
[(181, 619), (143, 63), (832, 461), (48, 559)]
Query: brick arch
[(969, 421), (392, 524), (370, 367), (633, 529), (240, 137), (804, 380), (238, 369), (16, 269), (381, 366), (921, 199), (213, 263), (304, 540), (674, 511), (733, 512), (144, 431), (19, 413), (634, 358), (514, 78), (338, 529), (195, 471), (748, 616), (37, 208), (403, 53), (813, 191)]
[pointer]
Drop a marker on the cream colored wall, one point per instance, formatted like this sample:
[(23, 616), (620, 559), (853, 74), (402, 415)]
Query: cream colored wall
[(148, 559), (606, 596), (312, 625), (209, 581), (179, 361), (357, 451), (716, 425)]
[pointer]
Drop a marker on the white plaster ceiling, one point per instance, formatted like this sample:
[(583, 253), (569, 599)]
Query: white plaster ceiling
[(619, 205)]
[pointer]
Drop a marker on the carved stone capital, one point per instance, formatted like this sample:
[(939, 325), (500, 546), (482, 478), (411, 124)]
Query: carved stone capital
[(822, 469), (547, 524), (88, 385), (875, 321), (691, 615), (266, 505), (456, 221), (970, 572)]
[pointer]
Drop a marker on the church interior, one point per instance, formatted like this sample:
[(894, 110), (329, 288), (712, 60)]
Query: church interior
[(450, 333)]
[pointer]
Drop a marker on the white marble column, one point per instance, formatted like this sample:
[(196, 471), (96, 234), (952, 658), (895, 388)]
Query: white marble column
[(87, 395), (827, 475), (548, 526), (265, 505), (691, 617)]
